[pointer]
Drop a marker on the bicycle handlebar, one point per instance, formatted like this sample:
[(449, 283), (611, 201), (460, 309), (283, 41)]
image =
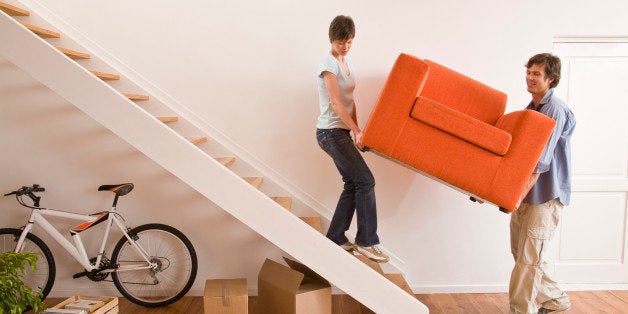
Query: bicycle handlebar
[(24, 190), (28, 190)]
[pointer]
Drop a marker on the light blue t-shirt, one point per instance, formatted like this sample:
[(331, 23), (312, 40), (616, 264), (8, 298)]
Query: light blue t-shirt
[(554, 166), (328, 118)]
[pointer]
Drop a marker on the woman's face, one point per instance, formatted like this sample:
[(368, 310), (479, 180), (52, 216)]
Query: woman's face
[(341, 47)]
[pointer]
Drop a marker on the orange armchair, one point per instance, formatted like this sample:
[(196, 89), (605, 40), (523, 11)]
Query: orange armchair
[(453, 128)]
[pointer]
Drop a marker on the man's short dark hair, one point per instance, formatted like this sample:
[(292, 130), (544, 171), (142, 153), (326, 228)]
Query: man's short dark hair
[(552, 66), (341, 28)]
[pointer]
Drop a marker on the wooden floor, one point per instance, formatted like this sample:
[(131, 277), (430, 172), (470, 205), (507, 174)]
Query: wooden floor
[(581, 302)]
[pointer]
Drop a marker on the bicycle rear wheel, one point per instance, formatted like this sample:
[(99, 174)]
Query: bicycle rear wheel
[(171, 278), (43, 277)]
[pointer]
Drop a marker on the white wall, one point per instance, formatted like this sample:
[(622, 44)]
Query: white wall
[(247, 68)]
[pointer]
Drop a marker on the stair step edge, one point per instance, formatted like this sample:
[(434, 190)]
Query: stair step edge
[(136, 97), (13, 10), (226, 161), (197, 139), (74, 54), (105, 76), (314, 222), (400, 281), (168, 119), (42, 32), (254, 181), (284, 201)]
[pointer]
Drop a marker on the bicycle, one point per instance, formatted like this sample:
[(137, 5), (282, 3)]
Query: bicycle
[(152, 265)]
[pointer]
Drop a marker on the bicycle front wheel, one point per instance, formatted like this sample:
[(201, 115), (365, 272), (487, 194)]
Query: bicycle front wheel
[(173, 270), (43, 277)]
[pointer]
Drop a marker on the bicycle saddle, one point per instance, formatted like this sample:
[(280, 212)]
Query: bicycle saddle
[(119, 189)]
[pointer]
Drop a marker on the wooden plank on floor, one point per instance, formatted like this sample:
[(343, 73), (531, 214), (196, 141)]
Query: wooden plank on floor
[(345, 304), (621, 294), (427, 300), (500, 300), (581, 302), (612, 300), (483, 302), (446, 303), (587, 302), (465, 303)]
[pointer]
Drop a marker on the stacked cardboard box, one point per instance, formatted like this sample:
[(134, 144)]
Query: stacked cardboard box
[(228, 296), (292, 290)]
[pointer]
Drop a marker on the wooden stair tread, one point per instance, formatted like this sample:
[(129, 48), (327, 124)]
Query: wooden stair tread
[(370, 263), (168, 119), (42, 32), (197, 139), (401, 282), (226, 161), (315, 222), (13, 10), (74, 54), (254, 181), (284, 201), (105, 76), (136, 97)]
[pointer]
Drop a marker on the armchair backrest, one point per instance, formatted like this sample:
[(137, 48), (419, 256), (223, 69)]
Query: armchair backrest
[(463, 94)]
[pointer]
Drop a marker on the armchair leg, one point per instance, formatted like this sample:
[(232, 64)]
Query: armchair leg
[(473, 199)]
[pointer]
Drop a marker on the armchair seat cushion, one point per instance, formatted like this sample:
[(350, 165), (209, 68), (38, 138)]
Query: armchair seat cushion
[(460, 125)]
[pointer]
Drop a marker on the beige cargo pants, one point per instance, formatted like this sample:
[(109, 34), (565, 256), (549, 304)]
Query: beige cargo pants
[(531, 228)]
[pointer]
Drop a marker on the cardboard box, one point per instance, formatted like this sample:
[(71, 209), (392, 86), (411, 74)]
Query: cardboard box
[(292, 290), (109, 305), (226, 296)]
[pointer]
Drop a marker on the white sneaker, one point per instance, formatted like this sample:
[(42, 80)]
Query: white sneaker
[(349, 247), (373, 253)]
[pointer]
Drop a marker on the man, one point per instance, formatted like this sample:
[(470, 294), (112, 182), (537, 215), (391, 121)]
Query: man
[(532, 225)]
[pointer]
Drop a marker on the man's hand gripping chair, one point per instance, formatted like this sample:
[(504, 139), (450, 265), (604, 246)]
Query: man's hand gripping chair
[(453, 128)]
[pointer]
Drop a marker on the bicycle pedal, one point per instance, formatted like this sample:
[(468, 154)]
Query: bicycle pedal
[(79, 275)]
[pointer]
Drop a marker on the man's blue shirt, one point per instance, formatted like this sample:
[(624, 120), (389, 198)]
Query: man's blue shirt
[(554, 166)]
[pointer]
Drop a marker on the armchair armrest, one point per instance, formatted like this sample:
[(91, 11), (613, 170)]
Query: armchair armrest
[(392, 109), (462, 126), (530, 132)]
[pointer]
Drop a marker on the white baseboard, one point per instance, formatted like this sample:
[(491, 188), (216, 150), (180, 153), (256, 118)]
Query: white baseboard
[(504, 288)]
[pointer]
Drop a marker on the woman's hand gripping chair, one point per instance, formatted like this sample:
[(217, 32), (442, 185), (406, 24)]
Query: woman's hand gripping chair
[(453, 128)]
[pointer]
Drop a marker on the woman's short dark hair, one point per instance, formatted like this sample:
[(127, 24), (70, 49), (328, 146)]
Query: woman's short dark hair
[(552, 66), (341, 28)]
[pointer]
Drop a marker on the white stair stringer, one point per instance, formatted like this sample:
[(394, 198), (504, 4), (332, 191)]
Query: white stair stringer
[(186, 161)]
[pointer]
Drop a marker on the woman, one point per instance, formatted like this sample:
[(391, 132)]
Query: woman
[(336, 82)]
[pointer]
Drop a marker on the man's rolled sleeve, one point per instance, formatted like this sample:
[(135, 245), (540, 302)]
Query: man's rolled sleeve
[(548, 153)]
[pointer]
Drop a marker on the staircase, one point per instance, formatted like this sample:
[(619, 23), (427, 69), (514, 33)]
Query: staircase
[(24, 45)]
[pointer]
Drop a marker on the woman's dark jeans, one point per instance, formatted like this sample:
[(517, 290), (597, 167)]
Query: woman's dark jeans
[(359, 189)]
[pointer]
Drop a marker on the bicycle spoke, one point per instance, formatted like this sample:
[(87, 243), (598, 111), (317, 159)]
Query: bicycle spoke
[(172, 262)]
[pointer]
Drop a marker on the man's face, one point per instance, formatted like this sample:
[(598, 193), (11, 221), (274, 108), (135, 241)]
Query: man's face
[(537, 81)]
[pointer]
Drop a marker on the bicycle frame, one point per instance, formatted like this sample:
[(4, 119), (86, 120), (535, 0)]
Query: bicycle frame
[(77, 250)]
